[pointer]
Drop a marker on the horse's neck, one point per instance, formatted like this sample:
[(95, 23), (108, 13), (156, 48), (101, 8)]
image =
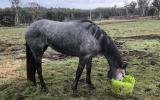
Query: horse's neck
[(111, 53)]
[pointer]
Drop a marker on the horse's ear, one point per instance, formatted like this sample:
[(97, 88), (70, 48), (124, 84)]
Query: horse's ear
[(125, 65)]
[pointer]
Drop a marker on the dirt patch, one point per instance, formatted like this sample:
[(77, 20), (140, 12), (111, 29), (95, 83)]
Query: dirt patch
[(4, 45), (119, 43), (135, 53), (4, 86), (8, 70), (151, 58), (55, 56), (50, 56), (113, 21), (153, 61), (12, 48), (8, 47), (19, 96), (148, 37)]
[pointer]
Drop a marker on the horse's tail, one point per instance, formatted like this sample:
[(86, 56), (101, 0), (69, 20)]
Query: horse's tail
[(30, 61)]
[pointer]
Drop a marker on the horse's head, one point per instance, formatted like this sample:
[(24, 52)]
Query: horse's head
[(117, 72), (117, 67)]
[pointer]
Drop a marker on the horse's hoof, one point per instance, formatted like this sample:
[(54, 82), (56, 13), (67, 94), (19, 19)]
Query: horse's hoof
[(91, 86), (75, 93), (44, 89), (73, 86), (34, 84)]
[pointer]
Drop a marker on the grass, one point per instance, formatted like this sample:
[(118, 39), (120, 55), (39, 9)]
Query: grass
[(12, 35), (142, 56), (149, 46), (138, 27)]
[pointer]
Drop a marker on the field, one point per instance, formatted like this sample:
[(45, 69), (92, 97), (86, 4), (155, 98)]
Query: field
[(137, 40)]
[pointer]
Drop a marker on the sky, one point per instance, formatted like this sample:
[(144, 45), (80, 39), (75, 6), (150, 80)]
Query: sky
[(81, 4)]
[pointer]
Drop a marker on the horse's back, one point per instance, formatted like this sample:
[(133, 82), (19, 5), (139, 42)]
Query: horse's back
[(75, 26), (72, 38)]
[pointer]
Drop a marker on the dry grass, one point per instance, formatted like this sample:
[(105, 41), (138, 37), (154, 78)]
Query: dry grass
[(8, 69)]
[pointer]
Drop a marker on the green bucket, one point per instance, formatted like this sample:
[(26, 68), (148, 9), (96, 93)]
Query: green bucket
[(123, 87)]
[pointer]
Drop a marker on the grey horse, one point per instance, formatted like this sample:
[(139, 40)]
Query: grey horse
[(79, 38)]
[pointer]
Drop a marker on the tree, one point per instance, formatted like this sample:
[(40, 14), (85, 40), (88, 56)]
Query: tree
[(15, 6), (7, 17), (143, 5), (151, 11), (34, 7), (156, 4), (130, 8)]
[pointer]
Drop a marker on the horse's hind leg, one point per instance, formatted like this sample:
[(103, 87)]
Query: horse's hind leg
[(82, 62), (38, 53), (31, 70), (39, 71), (88, 74)]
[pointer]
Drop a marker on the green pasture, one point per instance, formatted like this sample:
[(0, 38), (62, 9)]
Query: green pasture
[(142, 55)]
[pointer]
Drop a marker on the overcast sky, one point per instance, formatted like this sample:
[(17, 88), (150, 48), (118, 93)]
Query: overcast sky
[(82, 4)]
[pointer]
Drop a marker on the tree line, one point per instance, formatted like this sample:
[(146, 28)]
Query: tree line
[(27, 15), (16, 15)]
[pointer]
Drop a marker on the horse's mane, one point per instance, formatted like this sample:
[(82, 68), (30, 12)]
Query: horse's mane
[(111, 48), (86, 20), (94, 29)]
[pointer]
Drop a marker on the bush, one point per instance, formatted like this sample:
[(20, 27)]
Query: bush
[(7, 21)]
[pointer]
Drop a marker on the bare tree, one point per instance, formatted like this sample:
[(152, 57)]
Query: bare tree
[(35, 9), (90, 14), (126, 7), (114, 10), (143, 4), (130, 8), (15, 6), (156, 4)]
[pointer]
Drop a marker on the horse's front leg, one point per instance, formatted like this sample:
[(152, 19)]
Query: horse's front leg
[(79, 71), (88, 75)]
